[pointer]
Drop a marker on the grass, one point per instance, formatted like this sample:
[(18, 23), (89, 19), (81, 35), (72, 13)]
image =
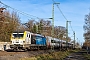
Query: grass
[(51, 56), (31, 58), (87, 56)]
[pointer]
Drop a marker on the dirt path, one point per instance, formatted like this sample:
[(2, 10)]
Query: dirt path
[(17, 55), (76, 56)]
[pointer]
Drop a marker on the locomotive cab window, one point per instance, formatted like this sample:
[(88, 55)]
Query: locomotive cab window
[(28, 35), (33, 39), (17, 36)]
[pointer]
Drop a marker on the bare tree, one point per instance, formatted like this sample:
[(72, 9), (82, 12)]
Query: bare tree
[(8, 25), (87, 29)]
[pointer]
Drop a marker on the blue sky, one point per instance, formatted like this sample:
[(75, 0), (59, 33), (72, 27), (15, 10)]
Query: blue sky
[(74, 11)]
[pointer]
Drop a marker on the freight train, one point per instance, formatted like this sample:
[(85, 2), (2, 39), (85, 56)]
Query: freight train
[(25, 40)]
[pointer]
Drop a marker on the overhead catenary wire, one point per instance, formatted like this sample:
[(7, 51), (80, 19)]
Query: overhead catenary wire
[(60, 10), (71, 27), (63, 15), (23, 13)]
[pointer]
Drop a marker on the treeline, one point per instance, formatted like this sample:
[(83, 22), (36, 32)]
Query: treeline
[(87, 31), (10, 21)]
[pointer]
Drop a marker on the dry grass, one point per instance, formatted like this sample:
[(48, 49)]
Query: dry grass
[(32, 58), (51, 56), (87, 56)]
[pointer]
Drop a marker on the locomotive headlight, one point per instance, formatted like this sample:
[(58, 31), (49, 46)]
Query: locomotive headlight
[(23, 41)]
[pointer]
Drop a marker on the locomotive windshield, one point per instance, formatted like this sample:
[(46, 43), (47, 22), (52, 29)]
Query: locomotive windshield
[(17, 35)]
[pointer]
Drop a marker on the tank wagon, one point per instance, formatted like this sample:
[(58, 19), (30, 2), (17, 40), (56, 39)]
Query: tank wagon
[(53, 42)]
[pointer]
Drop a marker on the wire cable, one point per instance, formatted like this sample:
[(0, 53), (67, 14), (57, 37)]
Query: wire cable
[(60, 10), (63, 15), (71, 27), (23, 13)]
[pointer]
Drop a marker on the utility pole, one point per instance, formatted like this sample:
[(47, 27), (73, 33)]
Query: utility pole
[(67, 34), (52, 33), (74, 39)]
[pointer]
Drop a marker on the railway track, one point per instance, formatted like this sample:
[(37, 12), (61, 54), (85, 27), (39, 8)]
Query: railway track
[(76, 56)]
